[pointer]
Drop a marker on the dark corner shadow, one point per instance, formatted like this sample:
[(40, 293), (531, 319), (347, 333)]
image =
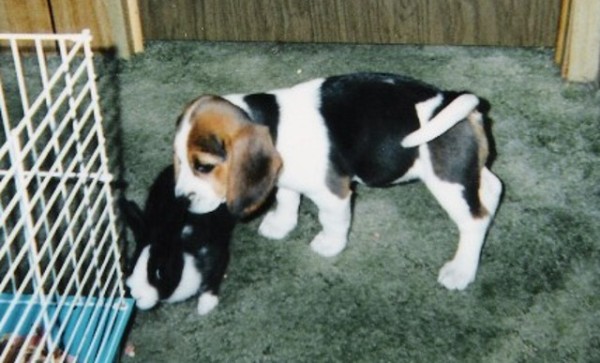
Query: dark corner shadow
[(108, 69)]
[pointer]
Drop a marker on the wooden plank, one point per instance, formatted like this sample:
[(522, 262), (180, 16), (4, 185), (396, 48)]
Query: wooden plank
[(561, 36), (111, 22), (71, 16), (18, 16), (171, 19), (466, 22), (122, 21), (134, 26), (114, 24), (581, 61)]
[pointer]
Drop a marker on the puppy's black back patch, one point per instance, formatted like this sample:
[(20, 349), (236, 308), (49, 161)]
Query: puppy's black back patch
[(367, 115)]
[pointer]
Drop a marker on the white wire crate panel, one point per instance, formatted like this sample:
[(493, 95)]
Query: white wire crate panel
[(62, 297)]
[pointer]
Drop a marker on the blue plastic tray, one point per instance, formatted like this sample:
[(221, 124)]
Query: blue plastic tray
[(92, 329)]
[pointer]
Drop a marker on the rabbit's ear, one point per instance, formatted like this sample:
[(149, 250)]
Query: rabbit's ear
[(161, 200), (134, 218)]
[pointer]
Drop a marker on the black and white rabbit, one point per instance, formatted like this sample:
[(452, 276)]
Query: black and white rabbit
[(178, 253)]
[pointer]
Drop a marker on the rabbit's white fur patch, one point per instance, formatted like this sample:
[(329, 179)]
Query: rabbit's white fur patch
[(145, 295), (206, 302), (189, 284)]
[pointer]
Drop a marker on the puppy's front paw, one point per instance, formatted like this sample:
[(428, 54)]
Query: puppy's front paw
[(277, 225), (206, 302), (457, 275), (327, 247)]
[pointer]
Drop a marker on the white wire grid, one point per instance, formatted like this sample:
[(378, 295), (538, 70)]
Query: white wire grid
[(61, 292)]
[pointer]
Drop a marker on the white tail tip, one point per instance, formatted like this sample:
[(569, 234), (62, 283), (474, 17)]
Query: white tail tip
[(452, 114)]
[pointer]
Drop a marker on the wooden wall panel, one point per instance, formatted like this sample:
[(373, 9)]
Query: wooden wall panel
[(466, 22), (114, 24), (71, 16), (18, 16)]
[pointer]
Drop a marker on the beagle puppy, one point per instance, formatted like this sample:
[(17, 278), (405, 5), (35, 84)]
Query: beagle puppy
[(319, 137)]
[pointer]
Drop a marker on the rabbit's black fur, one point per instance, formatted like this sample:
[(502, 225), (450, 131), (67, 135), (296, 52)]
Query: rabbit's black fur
[(178, 253)]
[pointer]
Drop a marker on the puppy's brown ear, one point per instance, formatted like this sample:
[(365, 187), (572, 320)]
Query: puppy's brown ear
[(254, 166)]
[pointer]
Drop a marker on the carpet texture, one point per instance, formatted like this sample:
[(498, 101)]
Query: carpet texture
[(536, 296)]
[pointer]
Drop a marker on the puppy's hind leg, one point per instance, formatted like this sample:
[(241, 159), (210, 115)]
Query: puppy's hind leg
[(490, 191), (283, 218), (472, 225)]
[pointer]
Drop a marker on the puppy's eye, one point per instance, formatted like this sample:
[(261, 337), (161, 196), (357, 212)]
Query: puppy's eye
[(202, 167), (157, 274)]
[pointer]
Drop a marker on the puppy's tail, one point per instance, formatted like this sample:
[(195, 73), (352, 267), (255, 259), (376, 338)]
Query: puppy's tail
[(452, 114)]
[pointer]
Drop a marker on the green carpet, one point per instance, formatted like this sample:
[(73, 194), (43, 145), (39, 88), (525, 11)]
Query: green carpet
[(536, 296)]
